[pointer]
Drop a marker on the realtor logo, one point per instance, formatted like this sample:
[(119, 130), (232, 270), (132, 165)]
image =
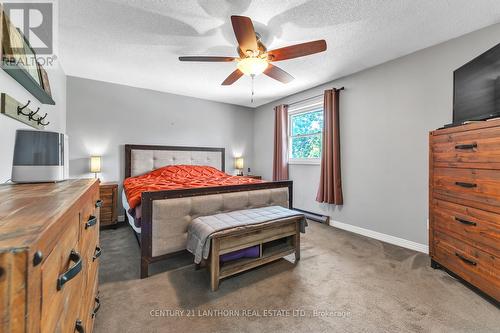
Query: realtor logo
[(35, 20)]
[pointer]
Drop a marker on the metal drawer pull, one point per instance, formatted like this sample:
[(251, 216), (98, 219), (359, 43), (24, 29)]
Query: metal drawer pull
[(97, 253), (92, 221), (79, 326), (466, 185), (466, 260), (465, 221), (72, 271), (466, 146), (98, 203), (98, 305)]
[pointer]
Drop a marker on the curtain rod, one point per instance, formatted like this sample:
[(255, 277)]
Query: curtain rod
[(312, 97)]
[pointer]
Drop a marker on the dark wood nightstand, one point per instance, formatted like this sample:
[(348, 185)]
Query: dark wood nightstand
[(253, 176), (109, 195)]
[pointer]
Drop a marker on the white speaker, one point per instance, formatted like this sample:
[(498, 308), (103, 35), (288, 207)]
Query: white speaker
[(40, 156)]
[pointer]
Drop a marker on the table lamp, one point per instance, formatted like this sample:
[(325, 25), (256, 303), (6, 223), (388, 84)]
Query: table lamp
[(238, 165), (95, 164)]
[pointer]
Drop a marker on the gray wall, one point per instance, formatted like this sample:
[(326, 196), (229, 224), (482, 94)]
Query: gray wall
[(103, 117), (386, 114), (8, 126)]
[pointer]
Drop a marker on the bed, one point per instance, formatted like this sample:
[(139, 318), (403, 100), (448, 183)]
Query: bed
[(166, 214)]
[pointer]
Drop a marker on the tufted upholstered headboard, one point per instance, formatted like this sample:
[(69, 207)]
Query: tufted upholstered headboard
[(140, 159)]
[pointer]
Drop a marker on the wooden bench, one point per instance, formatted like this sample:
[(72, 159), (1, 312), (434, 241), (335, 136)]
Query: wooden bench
[(276, 240)]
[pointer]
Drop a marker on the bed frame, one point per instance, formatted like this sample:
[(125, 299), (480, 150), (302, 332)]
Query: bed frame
[(147, 199)]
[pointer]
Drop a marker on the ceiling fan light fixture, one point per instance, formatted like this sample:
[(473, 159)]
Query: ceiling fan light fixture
[(252, 66), (254, 58)]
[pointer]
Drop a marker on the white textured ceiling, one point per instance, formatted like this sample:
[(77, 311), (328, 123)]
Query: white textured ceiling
[(137, 43)]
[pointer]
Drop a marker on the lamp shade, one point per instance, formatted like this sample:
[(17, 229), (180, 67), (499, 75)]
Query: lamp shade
[(252, 66), (95, 164), (238, 163)]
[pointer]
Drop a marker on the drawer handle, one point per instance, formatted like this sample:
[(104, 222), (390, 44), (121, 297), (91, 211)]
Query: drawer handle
[(465, 221), (72, 271), (79, 326), (92, 221), (98, 305), (97, 253), (466, 146), (466, 260), (466, 185), (98, 203)]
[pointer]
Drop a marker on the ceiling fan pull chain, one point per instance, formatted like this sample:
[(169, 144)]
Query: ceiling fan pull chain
[(253, 76)]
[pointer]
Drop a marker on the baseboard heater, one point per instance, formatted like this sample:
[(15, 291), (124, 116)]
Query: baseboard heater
[(314, 217)]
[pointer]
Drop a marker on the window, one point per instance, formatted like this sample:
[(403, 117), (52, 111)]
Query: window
[(305, 135)]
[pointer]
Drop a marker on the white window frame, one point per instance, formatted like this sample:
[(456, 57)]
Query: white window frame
[(312, 107)]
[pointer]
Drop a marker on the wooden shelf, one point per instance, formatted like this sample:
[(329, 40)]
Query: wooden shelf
[(22, 76), (267, 254), (278, 245)]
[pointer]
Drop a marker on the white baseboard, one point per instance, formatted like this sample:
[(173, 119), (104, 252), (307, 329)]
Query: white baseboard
[(381, 237), (121, 218)]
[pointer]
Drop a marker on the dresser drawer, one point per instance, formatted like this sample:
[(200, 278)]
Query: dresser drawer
[(476, 146), (106, 213), (476, 227), (90, 298), (89, 228), (476, 185), (473, 265), (107, 198), (62, 278)]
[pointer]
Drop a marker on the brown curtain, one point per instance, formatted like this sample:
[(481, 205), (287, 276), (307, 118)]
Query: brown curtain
[(330, 184), (280, 159)]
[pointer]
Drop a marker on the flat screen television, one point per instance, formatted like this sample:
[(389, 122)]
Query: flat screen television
[(476, 92)]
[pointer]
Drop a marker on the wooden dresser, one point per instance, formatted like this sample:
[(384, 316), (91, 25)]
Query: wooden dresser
[(49, 236), (464, 203)]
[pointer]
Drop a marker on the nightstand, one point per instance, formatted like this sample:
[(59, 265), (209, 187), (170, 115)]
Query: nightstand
[(109, 196), (253, 176)]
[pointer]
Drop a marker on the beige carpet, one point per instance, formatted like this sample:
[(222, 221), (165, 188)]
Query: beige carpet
[(343, 283)]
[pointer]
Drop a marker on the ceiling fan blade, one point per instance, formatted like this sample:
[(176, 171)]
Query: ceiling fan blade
[(245, 33), (298, 50), (209, 59), (278, 74), (232, 78)]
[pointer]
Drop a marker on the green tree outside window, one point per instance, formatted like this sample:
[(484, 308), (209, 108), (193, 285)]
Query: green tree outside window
[(306, 132)]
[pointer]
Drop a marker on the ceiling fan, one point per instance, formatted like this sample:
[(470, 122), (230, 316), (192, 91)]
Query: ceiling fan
[(254, 58)]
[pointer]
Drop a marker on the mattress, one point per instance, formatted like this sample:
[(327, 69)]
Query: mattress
[(130, 219)]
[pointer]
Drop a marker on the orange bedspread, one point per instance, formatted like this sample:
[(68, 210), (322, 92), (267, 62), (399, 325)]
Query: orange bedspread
[(174, 177)]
